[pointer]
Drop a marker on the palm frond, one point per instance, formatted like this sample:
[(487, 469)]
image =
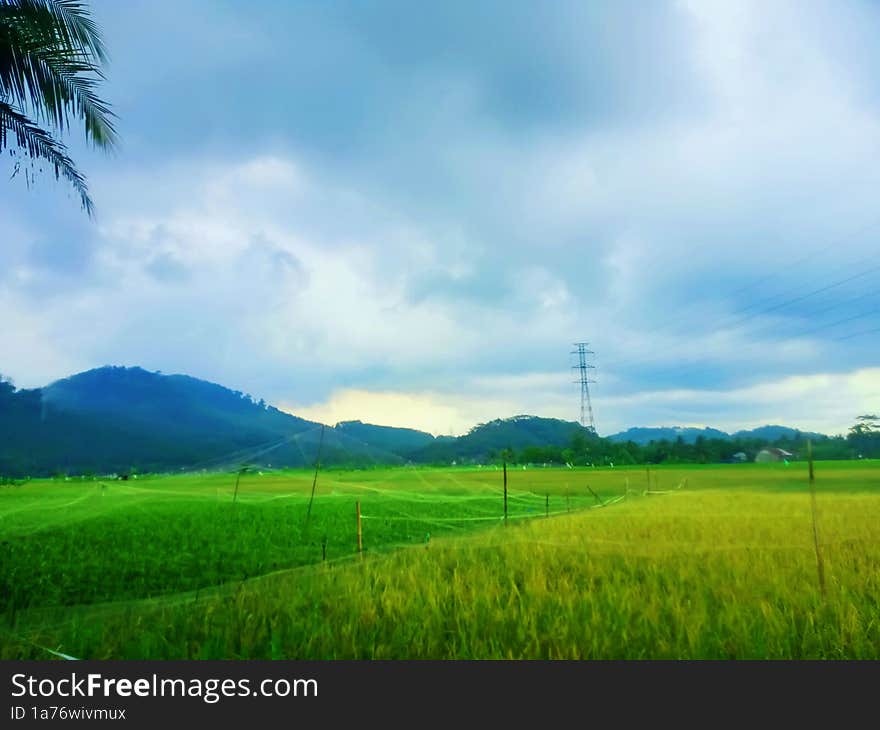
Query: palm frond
[(69, 20), (55, 88), (51, 58), (39, 144), (47, 48)]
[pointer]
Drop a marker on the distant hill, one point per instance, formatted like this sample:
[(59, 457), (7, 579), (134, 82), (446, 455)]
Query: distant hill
[(114, 419), (772, 433), (644, 436), (389, 438), (486, 440), (173, 404)]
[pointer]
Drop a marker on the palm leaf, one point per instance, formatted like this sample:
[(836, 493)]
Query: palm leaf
[(51, 57), (43, 62), (68, 20), (39, 144)]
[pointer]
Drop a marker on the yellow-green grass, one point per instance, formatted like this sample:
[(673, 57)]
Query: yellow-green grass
[(718, 563)]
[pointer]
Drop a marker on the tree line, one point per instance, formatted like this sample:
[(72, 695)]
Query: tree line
[(861, 442)]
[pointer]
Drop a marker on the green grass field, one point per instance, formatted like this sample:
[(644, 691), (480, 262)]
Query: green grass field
[(702, 562)]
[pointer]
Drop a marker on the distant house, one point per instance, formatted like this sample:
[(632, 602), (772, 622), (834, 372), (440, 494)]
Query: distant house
[(773, 454)]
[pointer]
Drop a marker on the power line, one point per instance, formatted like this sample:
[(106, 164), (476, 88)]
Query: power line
[(801, 298), (832, 245), (798, 287), (839, 322), (690, 367), (786, 303), (845, 302), (858, 334)]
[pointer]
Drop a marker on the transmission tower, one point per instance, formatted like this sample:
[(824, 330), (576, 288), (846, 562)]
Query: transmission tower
[(583, 369)]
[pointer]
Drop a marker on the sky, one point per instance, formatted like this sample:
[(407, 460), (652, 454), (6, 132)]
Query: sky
[(407, 213)]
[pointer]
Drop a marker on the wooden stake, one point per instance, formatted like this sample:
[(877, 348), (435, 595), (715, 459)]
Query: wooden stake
[(237, 478), (820, 565), (594, 494), (359, 535), (810, 460), (547, 506), (505, 492)]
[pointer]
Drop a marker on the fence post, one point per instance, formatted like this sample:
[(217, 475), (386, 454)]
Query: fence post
[(547, 506), (359, 535), (505, 492), (820, 566), (237, 479)]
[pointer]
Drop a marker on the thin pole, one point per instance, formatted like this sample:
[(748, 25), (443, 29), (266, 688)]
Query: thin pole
[(505, 492), (359, 535), (820, 565), (315, 480), (547, 506), (237, 479), (810, 459)]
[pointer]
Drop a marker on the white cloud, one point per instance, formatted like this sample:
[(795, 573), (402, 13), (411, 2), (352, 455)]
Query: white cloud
[(823, 402), (34, 353), (435, 413)]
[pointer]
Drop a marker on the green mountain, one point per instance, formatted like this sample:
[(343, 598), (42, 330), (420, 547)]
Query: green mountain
[(116, 419), (644, 436), (486, 441), (773, 433), (389, 438), (641, 436)]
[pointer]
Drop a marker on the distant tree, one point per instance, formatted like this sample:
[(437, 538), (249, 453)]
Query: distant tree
[(864, 435), (51, 61), (6, 385), (578, 451)]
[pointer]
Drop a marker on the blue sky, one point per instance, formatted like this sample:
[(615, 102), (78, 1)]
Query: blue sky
[(407, 213)]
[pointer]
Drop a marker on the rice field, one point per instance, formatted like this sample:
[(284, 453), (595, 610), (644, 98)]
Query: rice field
[(671, 562)]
